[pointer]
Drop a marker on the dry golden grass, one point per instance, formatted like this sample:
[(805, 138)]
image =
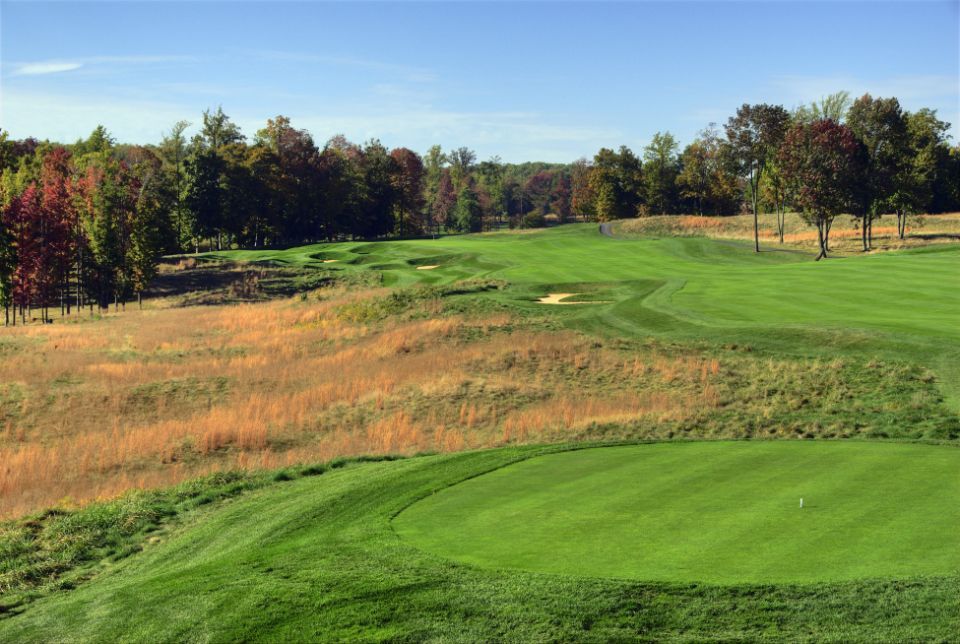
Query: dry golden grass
[(845, 236), (142, 399)]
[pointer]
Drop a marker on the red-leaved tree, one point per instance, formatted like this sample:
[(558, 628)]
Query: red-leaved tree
[(823, 163)]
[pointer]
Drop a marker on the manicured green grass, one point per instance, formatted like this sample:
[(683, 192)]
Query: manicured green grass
[(900, 304), (317, 558), (714, 512)]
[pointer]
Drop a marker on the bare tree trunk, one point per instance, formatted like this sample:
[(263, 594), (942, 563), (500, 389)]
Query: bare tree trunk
[(821, 239), (863, 232), (140, 299), (781, 220), (756, 228)]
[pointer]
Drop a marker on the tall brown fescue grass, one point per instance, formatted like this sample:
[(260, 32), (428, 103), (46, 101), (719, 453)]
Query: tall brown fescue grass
[(845, 236), (141, 399)]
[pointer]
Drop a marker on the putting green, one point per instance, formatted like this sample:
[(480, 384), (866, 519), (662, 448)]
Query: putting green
[(718, 512)]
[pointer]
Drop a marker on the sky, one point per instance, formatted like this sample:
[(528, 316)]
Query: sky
[(545, 81)]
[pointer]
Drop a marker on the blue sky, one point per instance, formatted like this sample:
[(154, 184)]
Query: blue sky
[(526, 81)]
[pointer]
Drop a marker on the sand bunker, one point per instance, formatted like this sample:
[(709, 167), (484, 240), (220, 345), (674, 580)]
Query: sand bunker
[(328, 261), (428, 268), (556, 298)]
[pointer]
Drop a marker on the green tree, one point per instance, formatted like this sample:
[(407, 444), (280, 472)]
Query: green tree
[(660, 170), (490, 173), (694, 177), (99, 141), (754, 135), (218, 130), (707, 176), (173, 151), (467, 214), (434, 163), (375, 215), (774, 189), (8, 259), (581, 195), (619, 176), (833, 106), (461, 165), (203, 198), (408, 180), (146, 238), (880, 126)]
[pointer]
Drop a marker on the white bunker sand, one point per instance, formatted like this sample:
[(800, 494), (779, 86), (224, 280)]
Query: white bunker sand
[(557, 298), (428, 268), (329, 261)]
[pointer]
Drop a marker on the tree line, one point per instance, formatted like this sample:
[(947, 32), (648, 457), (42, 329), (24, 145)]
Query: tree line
[(84, 224), (865, 158)]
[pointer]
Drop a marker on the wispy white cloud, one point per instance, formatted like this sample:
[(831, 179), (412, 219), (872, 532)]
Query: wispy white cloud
[(41, 67), (46, 67)]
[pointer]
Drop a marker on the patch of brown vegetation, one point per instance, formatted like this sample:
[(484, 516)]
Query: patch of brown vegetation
[(142, 399), (845, 236)]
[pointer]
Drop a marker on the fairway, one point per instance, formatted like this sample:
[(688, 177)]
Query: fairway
[(713, 512), (899, 304)]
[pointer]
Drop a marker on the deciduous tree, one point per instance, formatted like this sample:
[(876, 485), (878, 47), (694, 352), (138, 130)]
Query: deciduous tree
[(754, 134), (822, 162), (880, 126), (660, 170), (408, 183)]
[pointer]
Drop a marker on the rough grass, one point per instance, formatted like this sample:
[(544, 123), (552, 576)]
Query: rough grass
[(150, 399), (57, 549)]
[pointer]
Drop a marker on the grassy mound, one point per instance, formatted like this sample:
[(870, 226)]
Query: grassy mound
[(714, 512)]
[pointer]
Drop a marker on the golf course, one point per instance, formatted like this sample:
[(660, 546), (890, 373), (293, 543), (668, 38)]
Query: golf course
[(479, 322), (603, 499)]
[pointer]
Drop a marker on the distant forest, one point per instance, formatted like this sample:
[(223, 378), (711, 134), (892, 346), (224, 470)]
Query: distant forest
[(85, 223)]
